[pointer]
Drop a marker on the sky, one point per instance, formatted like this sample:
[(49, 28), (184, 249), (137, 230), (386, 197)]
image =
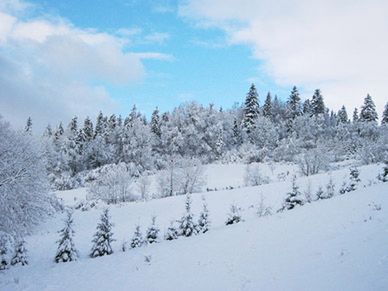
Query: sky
[(59, 59)]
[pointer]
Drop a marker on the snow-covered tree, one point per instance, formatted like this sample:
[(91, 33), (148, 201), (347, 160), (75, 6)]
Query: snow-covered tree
[(28, 127), (137, 238), (384, 119), (187, 226), (294, 107), (343, 115), (368, 110), (354, 179), (293, 198), (253, 175), (251, 109), (20, 254), (320, 194), (172, 232), (103, 237), (152, 234), (203, 220), (155, 123), (66, 251), (143, 184), (317, 104), (330, 189), (312, 161), (234, 215), (355, 116), (267, 107), (6, 249)]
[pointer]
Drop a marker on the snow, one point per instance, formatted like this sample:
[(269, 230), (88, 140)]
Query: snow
[(334, 244)]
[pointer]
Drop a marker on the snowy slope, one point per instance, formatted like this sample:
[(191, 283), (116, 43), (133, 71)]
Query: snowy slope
[(336, 244)]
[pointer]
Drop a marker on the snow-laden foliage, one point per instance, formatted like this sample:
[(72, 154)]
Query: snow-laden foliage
[(66, 251), (203, 220), (187, 226), (137, 239), (253, 176), (6, 249), (20, 254), (172, 232), (234, 215), (293, 198), (152, 234), (24, 191), (103, 238)]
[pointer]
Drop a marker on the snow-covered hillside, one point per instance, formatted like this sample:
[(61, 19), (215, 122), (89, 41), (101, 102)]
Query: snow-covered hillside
[(335, 244)]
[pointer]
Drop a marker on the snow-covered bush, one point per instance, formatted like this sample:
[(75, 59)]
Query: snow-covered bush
[(253, 176), (203, 220), (187, 226), (152, 234), (114, 185), (312, 161), (137, 239), (103, 237), (234, 215), (6, 249), (20, 254), (66, 251), (143, 185), (172, 232), (24, 189), (262, 210), (293, 198)]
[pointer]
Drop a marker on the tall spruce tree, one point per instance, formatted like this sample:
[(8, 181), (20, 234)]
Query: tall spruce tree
[(294, 108), (368, 110), (307, 108), (384, 120), (317, 104), (66, 251), (267, 107), (343, 115), (355, 115), (251, 109), (103, 237), (155, 123)]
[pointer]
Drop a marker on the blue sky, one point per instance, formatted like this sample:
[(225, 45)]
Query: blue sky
[(64, 58)]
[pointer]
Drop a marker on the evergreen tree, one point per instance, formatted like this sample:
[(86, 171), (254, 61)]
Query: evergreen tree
[(219, 146), (307, 108), (99, 125), (137, 239), (66, 251), (354, 179), (28, 128), (187, 226), (88, 131), (152, 235), (203, 221), (73, 126), (59, 132), (155, 123), (355, 115), (368, 110), (330, 189), (343, 115), (293, 198), (237, 138), (267, 107), (384, 120), (317, 104), (103, 237), (294, 107), (48, 132), (172, 232), (251, 110), (234, 215), (20, 256)]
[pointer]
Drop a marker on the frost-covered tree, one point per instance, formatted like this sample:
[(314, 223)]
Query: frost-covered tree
[(24, 188), (237, 136), (354, 179), (155, 123), (28, 127), (294, 107), (330, 189), (187, 226), (234, 215), (343, 115), (152, 234), (293, 198), (355, 116), (172, 232), (251, 109), (203, 220), (143, 185), (253, 175), (317, 104), (6, 249), (103, 237), (320, 194), (66, 251), (384, 119), (20, 254), (307, 108), (267, 107), (312, 161), (368, 110), (137, 239)]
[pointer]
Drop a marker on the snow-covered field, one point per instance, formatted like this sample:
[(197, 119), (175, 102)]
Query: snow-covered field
[(335, 244)]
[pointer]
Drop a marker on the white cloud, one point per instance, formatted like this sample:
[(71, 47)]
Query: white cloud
[(157, 37), (52, 70), (338, 46)]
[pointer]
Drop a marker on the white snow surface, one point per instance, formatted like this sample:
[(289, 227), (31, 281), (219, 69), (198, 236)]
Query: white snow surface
[(335, 244)]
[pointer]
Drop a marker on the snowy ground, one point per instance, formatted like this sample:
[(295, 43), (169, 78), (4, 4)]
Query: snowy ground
[(336, 244)]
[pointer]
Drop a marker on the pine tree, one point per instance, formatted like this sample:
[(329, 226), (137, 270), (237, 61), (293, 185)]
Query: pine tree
[(320, 194), (354, 179), (66, 251), (330, 189), (317, 104), (137, 239), (267, 107), (187, 226), (294, 107), (152, 235), (48, 132), (203, 221), (355, 115), (293, 198), (237, 138), (155, 123), (103, 237), (368, 110), (87, 131), (384, 120), (172, 233), (343, 115), (219, 146), (99, 125), (251, 110), (73, 126), (234, 215), (307, 109), (20, 256), (28, 128)]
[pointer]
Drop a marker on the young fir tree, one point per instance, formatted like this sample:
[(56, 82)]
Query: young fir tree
[(354, 179), (267, 107), (317, 104), (384, 120), (203, 221), (368, 110), (4, 252), (137, 238), (152, 235), (355, 115), (343, 115), (251, 110), (187, 225), (66, 251), (320, 194), (20, 256), (234, 215), (155, 123), (384, 176), (330, 189), (293, 198), (172, 232), (103, 237), (28, 127)]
